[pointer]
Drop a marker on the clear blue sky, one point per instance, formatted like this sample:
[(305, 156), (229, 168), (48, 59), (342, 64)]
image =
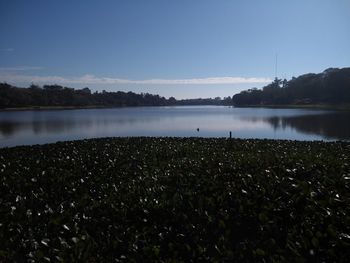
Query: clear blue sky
[(182, 48)]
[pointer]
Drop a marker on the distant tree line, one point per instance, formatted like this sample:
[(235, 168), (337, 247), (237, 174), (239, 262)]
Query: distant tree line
[(56, 95), (209, 101), (332, 86)]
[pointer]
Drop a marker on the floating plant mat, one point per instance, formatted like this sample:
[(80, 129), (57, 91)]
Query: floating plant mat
[(175, 199)]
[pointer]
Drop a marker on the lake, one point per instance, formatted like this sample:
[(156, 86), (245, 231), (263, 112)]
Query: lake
[(46, 126)]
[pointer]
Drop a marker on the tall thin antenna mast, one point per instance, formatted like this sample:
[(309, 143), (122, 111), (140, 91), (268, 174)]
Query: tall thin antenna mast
[(276, 66)]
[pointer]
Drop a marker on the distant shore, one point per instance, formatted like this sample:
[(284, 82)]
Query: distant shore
[(343, 107), (38, 108)]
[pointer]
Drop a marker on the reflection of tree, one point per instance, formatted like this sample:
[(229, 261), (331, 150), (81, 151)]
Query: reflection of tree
[(7, 128), (10, 128), (332, 125), (60, 125)]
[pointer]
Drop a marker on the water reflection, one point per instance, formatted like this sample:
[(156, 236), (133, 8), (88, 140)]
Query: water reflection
[(65, 121), (32, 127), (334, 125)]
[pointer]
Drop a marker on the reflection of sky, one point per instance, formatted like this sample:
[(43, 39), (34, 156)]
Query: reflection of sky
[(31, 127)]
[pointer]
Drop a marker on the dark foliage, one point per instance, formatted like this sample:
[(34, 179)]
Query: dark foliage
[(332, 86), (55, 95), (175, 200), (207, 101)]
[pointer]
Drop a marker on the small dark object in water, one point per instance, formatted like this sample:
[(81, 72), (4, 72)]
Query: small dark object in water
[(197, 129)]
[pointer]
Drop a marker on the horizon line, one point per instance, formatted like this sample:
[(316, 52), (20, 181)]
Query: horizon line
[(92, 79)]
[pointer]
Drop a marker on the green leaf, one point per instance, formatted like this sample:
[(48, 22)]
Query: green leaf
[(262, 217), (315, 242), (260, 252)]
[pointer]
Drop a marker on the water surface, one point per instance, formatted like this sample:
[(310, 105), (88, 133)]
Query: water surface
[(38, 127)]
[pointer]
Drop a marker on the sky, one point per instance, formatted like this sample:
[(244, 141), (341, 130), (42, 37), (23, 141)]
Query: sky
[(182, 48)]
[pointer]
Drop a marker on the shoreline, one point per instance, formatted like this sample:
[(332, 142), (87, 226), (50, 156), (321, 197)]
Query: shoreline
[(40, 108), (227, 139), (344, 107)]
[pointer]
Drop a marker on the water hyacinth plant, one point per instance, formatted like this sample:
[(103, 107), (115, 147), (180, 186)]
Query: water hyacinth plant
[(175, 200)]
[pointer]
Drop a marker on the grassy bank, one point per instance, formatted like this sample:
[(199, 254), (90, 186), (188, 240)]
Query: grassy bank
[(173, 200)]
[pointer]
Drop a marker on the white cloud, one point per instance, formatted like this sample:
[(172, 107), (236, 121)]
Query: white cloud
[(20, 68), (91, 79)]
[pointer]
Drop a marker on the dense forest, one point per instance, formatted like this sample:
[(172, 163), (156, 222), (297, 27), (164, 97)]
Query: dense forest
[(56, 95), (332, 86)]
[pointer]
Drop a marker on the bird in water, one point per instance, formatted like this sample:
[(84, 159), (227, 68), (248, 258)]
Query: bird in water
[(197, 129)]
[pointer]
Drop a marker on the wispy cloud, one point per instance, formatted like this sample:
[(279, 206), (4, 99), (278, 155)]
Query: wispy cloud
[(7, 49), (91, 79), (20, 68)]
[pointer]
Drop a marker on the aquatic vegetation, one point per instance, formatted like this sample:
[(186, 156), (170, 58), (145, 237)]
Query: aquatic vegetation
[(175, 199)]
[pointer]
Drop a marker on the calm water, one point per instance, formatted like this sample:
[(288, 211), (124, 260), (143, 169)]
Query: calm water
[(38, 127)]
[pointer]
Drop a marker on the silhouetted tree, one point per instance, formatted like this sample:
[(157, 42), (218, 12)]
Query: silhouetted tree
[(331, 86)]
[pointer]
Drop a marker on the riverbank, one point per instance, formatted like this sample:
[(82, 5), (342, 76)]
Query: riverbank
[(343, 107), (38, 108), (181, 199), (42, 108), (290, 106)]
